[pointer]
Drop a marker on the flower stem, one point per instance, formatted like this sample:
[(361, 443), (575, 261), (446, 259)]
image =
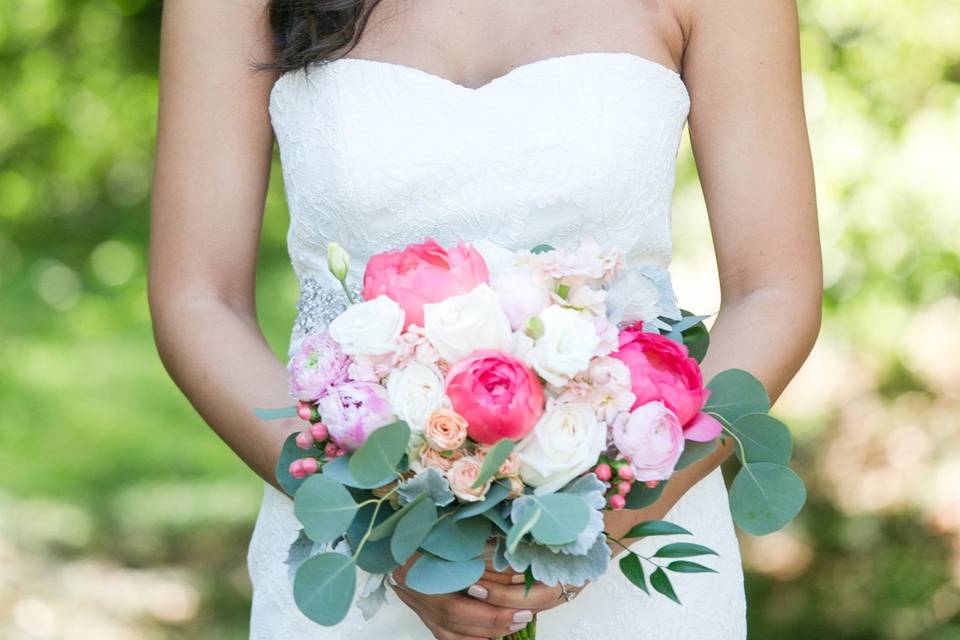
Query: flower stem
[(346, 290)]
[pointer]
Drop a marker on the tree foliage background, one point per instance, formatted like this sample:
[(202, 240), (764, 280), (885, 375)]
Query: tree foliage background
[(122, 515)]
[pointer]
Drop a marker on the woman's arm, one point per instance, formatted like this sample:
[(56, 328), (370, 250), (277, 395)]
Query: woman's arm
[(747, 126), (212, 167)]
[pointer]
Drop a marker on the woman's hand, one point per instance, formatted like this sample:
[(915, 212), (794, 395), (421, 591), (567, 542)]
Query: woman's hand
[(506, 589), (456, 616)]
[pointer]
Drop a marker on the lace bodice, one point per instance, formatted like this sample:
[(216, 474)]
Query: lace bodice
[(378, 155)]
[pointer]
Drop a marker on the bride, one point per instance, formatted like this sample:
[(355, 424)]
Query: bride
[(520, 122)]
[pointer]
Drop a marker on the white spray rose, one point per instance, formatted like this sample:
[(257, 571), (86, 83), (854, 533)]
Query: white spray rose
[(566, 442), (460, 325), (369, 328), (568, 343), (415, 392)]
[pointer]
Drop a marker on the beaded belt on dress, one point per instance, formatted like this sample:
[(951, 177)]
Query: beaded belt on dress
[(318, 305)]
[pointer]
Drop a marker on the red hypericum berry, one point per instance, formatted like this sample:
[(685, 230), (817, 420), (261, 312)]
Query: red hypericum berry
[(623, 487), (604, 472), (617, 502), (625, 472)]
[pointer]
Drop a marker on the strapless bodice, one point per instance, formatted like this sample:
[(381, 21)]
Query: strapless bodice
[(376, 155)]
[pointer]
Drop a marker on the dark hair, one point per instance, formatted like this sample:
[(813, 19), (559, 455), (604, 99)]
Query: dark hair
[(308, 31)]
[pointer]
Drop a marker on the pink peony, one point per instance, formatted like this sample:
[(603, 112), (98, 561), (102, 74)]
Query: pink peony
[(424, 273), (498, 395), (317, 365), (354, 410), (651, 439), (660, 369)]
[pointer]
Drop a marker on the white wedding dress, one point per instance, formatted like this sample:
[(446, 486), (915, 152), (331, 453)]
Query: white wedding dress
[(376, 155)]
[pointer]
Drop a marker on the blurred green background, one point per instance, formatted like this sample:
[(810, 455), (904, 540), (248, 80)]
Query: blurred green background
[(122, 515)]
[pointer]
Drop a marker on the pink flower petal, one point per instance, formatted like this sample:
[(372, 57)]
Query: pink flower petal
[(703, 428)]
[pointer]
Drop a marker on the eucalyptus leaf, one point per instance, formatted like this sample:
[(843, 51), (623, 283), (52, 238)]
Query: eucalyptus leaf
[(683, 550), (276, 413), (591, 491), (656, 528), (641, 496), (660, 582), (541, 248), (522, 526), (761, 438), (385, 528), (432, 575), (458, 540), (764, 497), (324, 507), (381, 453), (324, 587), (497, 493), (494, 516), (632, 568), (375, 556), (687, 322), (735, 393), (694, 451), (495, 457), (562, 519), (412, 528), (686, 566), (339, 470)]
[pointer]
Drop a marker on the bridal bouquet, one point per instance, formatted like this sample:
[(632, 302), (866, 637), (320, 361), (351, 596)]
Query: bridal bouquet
[(481, 404)]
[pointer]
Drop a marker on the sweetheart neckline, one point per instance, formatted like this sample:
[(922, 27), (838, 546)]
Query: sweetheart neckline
[(513, 72)]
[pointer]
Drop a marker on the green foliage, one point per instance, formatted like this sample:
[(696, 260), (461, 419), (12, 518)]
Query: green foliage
[(324, 508), (380, 455), (458, 540), (495, 457), (433, 575), (324, 586)]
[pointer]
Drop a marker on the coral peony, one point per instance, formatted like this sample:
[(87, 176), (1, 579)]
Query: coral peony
[(498, 395), (423, 273)]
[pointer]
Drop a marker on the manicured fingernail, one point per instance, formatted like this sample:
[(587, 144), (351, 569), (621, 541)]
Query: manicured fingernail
[(477, 591), (523, 616), (518, 579), (517, 627)]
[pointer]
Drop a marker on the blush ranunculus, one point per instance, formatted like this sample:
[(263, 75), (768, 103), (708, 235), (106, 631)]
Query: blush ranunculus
[(498, 395), (661, 369), (424, 273)]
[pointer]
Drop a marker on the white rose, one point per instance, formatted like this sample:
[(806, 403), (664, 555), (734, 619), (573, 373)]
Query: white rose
[(568, 343), (460, 325), (415, 392), (369, 328), (566, 442)]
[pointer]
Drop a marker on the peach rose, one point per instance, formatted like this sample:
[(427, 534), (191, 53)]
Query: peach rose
[(430, 457), (516, 487), (461, 477), (510, 466), (445, 430)]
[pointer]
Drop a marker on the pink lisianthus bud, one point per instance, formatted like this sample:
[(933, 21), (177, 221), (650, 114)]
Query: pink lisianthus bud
[(424, 273), (305, 439), (603, 472), (319, 432), (623, 487), (617, 502), (498, 395), (661, 370)]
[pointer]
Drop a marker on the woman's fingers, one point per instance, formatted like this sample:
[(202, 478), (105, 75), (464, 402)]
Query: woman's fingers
[(512, 596), (465, 615)]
